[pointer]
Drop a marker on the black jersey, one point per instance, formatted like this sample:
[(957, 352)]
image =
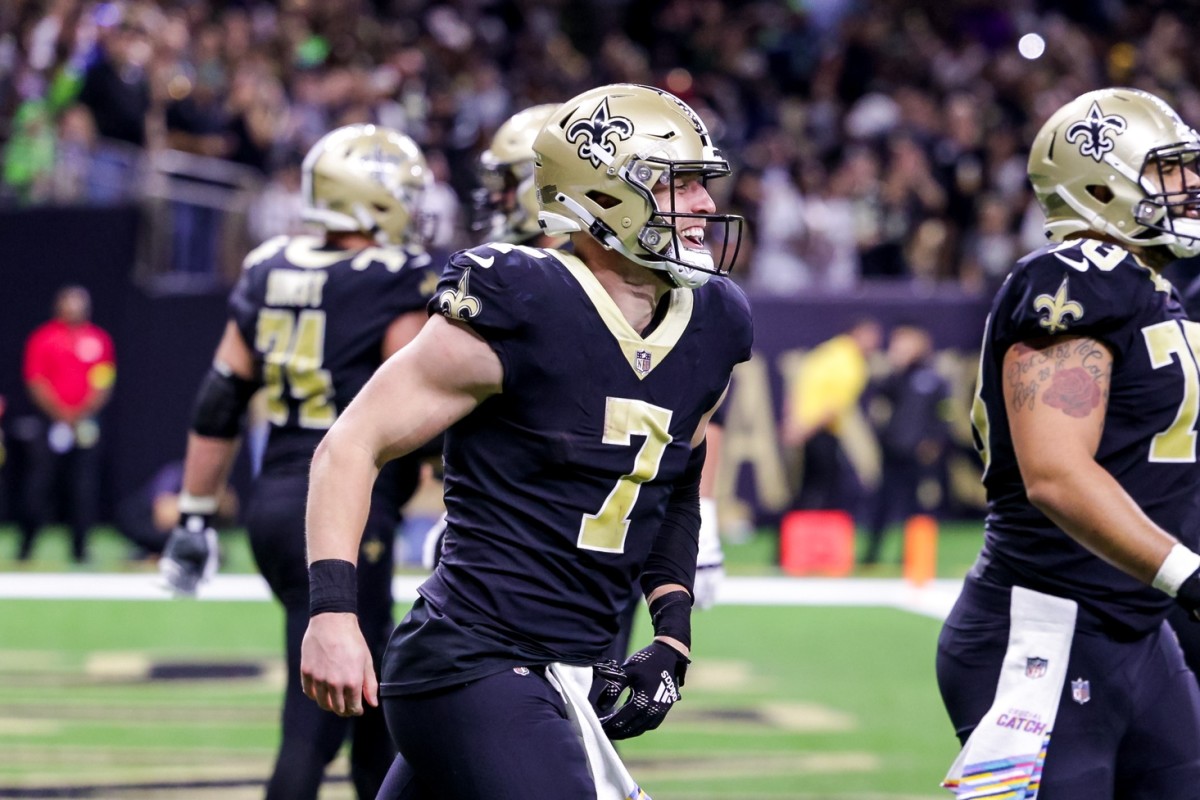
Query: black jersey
[(1089, 288), (556, 488), (315, 318)]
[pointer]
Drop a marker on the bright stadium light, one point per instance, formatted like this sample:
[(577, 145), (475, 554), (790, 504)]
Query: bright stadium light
[(1031, 46)]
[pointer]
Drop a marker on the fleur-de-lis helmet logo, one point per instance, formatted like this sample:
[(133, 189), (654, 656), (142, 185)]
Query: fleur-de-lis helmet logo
[(378, 165), (595, 134), (1094, 133)]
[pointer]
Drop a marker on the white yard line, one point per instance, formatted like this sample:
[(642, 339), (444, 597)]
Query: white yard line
[(934, 599)]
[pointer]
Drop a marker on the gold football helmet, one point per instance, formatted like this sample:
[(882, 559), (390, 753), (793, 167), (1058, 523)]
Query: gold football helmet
[(366, 178), (598, 160), (507, 207), (1122, 163)]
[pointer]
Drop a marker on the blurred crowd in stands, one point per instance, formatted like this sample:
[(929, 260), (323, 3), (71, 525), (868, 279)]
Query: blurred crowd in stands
[(872, 139)]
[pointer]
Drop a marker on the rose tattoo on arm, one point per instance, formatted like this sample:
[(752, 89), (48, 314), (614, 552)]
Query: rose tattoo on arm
[(1073, 390)]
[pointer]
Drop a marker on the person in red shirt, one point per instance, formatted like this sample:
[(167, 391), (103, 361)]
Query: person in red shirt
[(70, 369)]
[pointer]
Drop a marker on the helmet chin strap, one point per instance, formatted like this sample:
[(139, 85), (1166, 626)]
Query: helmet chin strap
[(700, 264), (1180, 250), (1187, 238)]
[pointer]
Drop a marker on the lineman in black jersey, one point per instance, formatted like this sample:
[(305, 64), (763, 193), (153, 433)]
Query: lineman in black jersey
[(1055, 665), (1180, 619), (310, 320), (575, 390)]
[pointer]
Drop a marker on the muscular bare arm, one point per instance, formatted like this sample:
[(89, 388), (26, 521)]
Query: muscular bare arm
[(1056, 394), (420, 391), (440, 377)]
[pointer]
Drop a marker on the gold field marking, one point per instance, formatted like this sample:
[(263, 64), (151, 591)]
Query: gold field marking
[(737, 765), (117, 666), (31, 661), (795, 717), (808, 717), (115, 711), (23, 726), (720, 676)]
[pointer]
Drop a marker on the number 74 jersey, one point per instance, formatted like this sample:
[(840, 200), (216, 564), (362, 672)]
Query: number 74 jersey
[(315, 318), (1094, 289), (556, 487)]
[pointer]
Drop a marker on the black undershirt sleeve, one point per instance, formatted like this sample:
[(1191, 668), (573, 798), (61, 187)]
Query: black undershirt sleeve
[(673, 557)]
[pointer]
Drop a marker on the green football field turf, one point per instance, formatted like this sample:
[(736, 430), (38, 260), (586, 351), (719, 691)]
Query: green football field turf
[(179, 699)]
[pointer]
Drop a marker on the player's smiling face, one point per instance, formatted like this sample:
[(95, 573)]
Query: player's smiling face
[(686, 196)]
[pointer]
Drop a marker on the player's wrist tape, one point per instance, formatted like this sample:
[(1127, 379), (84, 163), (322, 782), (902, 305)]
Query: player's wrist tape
[(671, 615), (1179, 565), (190, 505), (708, 552), (332, 587)]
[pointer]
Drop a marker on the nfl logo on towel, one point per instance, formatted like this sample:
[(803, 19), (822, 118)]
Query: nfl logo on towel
[(641, 361), (1081, 691), (1035, 667)]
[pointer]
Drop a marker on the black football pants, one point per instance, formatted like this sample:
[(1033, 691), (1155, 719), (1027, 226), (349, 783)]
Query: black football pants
[(503, 737)]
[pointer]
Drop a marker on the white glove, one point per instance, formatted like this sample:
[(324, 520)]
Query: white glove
[(710, 560), (190, 557)]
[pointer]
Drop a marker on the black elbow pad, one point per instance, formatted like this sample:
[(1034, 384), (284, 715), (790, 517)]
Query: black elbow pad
[(221, 404)]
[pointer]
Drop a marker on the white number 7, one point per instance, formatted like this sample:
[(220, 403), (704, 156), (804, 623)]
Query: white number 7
[(1177, 444)]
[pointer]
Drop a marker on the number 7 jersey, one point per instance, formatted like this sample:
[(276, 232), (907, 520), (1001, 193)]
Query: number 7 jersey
[(556, 487), (1088, 288)]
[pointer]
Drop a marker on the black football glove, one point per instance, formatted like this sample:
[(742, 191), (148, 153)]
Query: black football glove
[(1188, 595), (653, 677), (190, 556)]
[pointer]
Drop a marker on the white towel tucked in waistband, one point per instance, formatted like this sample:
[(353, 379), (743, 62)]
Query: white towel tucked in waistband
[(1004, 755), (613, 781)]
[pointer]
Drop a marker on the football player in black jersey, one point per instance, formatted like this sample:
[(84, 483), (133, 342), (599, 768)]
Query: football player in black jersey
[(506, 210), (311, 319), (1056, 665), (574, 391)]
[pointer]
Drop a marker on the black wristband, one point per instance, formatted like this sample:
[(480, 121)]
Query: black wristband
[(671, 615), (332, 586)]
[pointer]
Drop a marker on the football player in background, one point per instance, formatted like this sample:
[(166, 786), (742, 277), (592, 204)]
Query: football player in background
[(506, 206), (1085, 416), (574, 391), (310, 320)]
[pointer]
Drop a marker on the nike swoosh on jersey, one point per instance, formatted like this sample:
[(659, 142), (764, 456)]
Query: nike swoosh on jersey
[(1080, 265), (481, 261)]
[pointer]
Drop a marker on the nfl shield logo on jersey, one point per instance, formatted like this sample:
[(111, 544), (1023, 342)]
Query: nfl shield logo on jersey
[(1035, 667), (641, 361), (1081, 691)]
